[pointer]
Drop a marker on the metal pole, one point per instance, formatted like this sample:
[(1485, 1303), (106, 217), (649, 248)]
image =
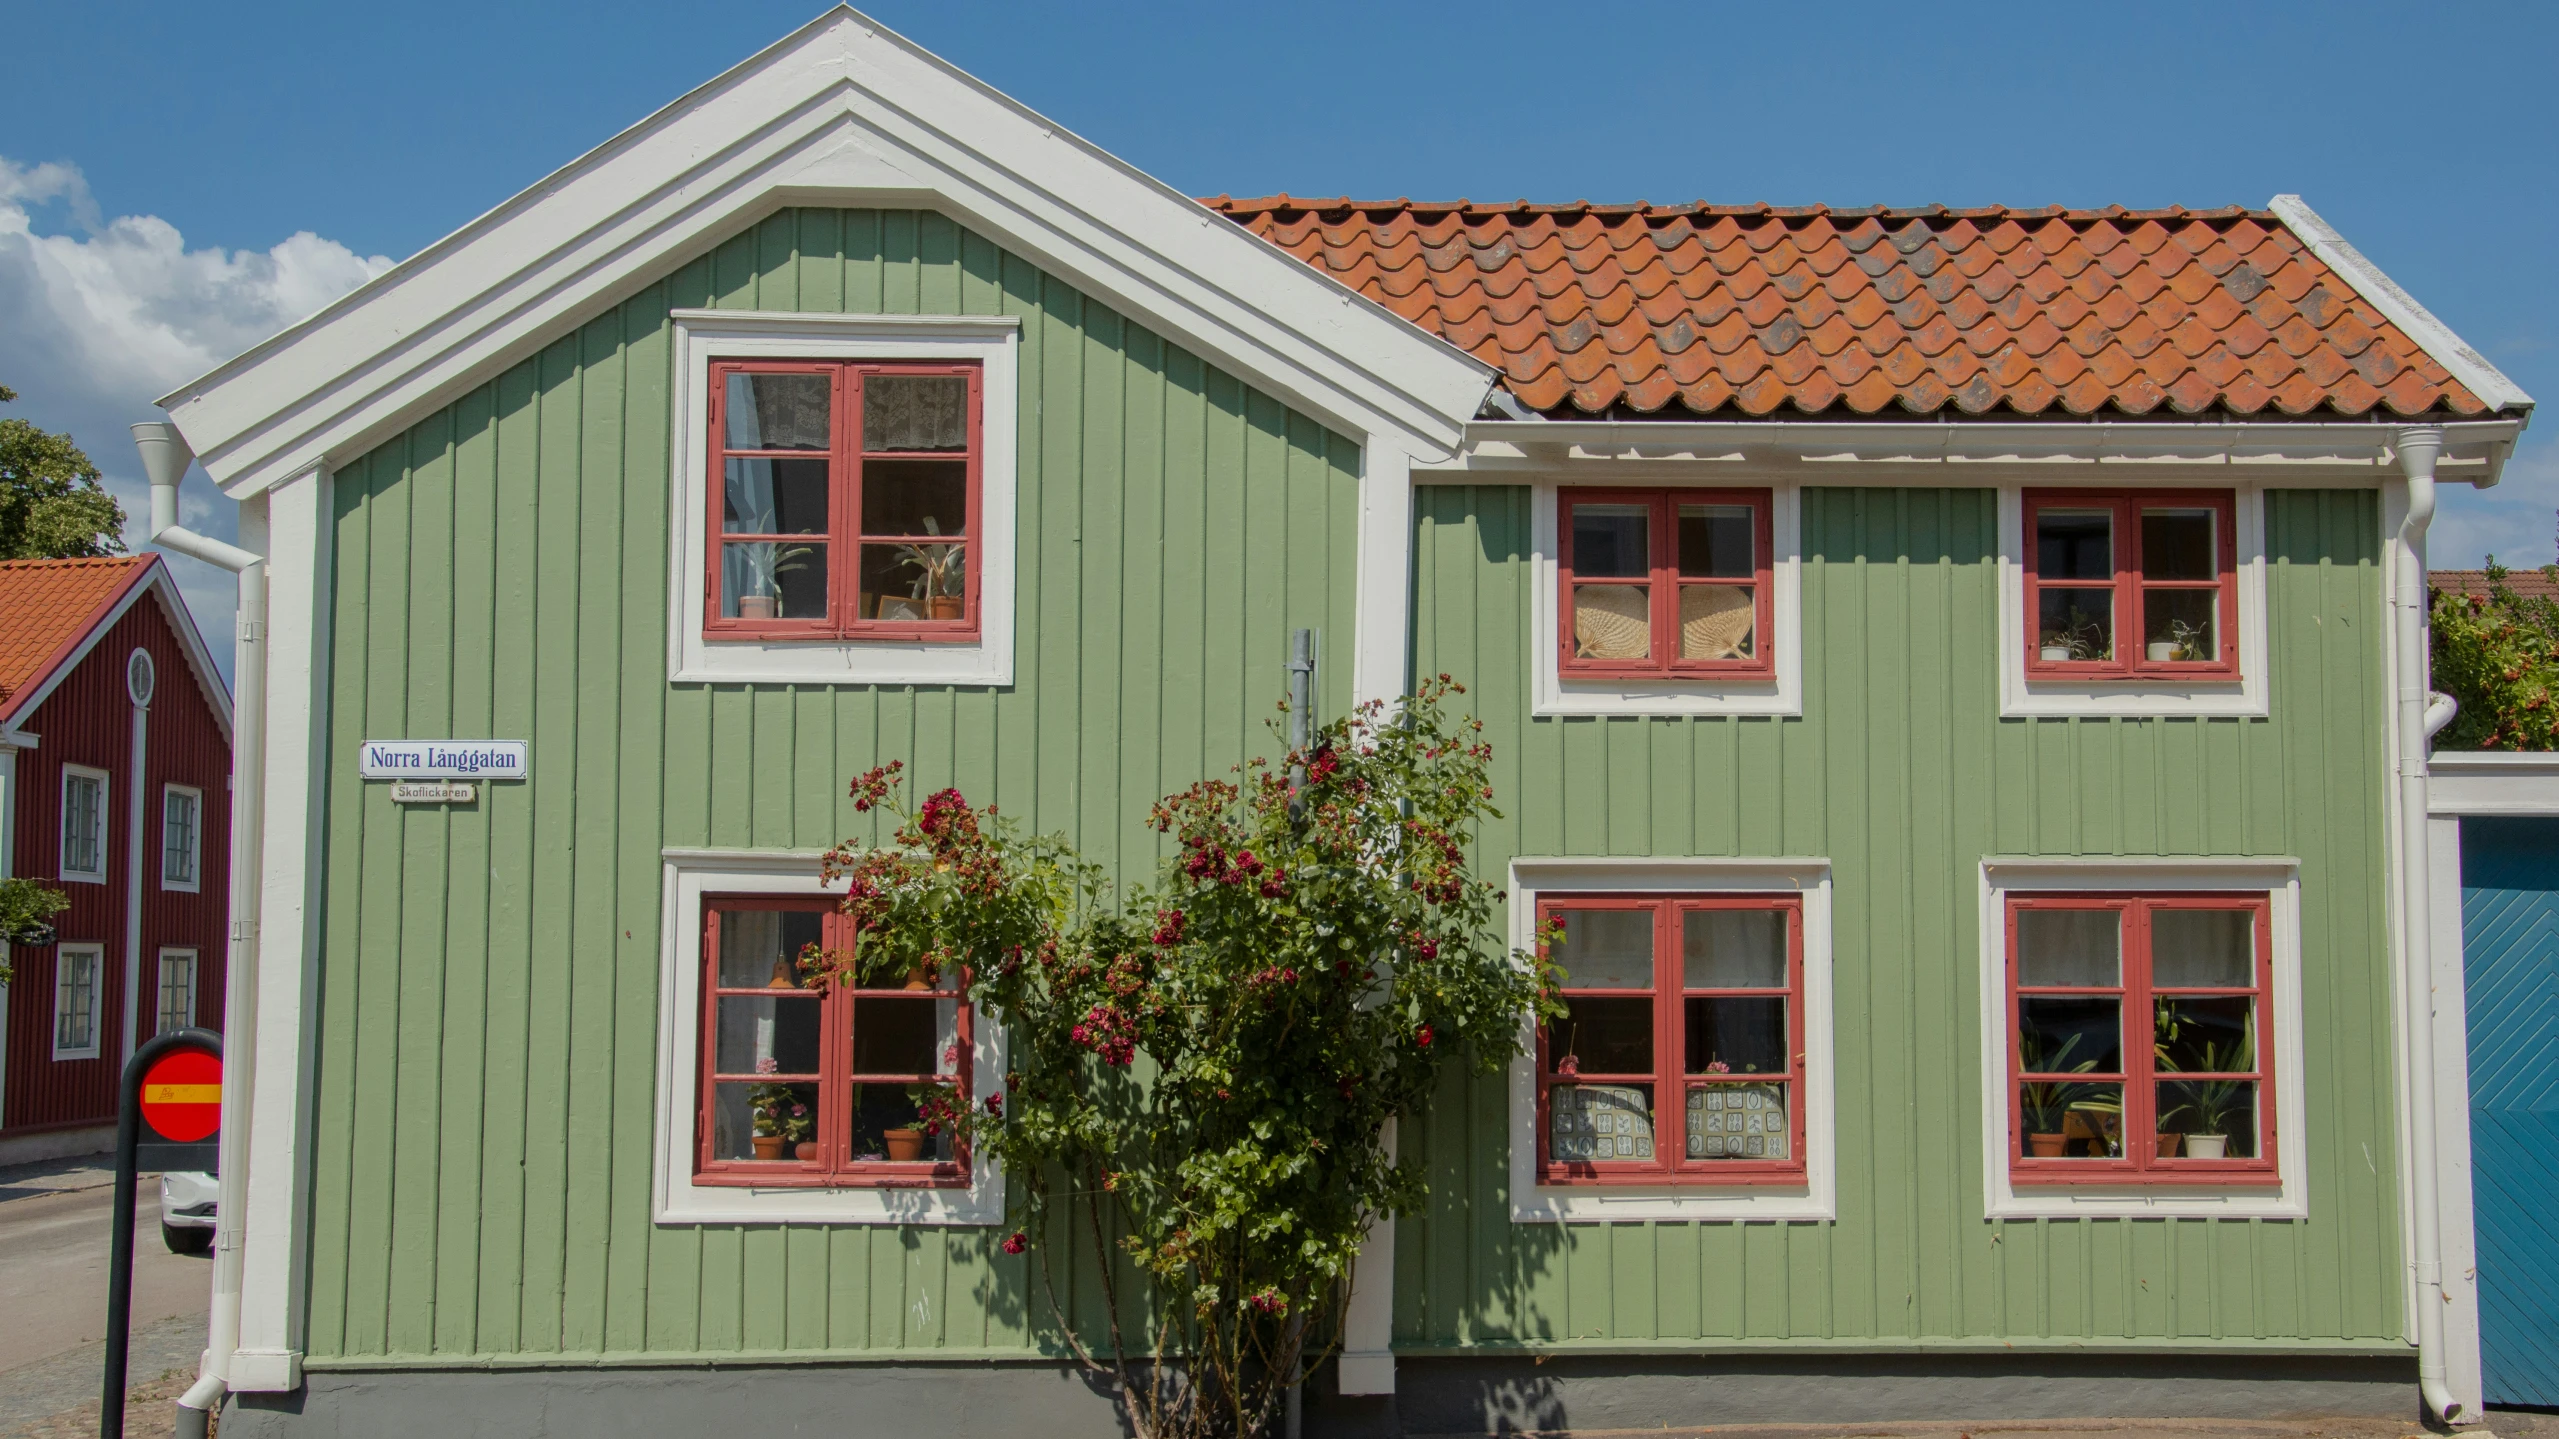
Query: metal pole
[(120, 1253), (1301, 711)]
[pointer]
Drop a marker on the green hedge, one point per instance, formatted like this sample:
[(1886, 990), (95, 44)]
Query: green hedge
[(2498, 655)]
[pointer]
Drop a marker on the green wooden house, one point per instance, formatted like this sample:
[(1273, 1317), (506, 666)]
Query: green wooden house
[(1954, 673)]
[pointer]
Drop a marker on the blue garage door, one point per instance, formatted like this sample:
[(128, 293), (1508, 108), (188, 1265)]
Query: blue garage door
[(2510, 947)]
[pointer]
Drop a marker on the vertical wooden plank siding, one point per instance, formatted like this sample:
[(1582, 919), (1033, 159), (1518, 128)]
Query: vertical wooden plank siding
[(489, 974), (1903, 774)]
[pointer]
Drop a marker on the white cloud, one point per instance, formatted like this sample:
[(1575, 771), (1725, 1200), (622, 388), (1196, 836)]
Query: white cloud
[(2517, 520), (100, 317)]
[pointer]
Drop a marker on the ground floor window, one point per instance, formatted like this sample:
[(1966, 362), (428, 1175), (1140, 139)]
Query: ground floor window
[(1680, 1053), (75, 1000), (177, 990), (811, 1084)]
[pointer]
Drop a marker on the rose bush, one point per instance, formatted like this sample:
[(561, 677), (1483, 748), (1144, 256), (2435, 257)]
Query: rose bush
[(1200, 1078), (2497, 655)]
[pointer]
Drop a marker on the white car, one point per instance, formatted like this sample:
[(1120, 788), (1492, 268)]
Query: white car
[(186, 1212)]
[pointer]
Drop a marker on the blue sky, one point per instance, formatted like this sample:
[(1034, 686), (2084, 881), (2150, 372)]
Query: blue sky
[(171, 153)]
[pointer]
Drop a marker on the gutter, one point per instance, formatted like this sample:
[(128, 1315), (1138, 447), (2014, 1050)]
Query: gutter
[(165, 457), (2419, 716)]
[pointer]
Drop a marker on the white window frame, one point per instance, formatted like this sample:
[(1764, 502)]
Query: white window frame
[(993, 343), (1561, 694), (1816, 1199), (2279, 881), (193, 959), (691, 874), (62, 828), (194, 882), (2149, 696), (95, 955)]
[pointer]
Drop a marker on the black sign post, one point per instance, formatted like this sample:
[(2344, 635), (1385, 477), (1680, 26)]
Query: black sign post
[(137, 1144)]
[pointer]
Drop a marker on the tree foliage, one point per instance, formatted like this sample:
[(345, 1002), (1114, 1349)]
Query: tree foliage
[(1199, 1080), (51, 504), (27, 908), (2497, 655)]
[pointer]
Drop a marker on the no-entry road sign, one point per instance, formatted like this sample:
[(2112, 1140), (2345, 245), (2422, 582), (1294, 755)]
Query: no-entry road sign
[(182, 1095)]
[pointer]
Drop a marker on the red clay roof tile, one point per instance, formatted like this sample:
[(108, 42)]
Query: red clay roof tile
[(1709, 308), (46, 608)]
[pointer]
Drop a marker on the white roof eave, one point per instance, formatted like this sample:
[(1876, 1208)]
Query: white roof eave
[(842, 111)]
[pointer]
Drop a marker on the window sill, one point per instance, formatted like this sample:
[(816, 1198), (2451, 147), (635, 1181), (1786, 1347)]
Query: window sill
[(830, 660), (2118, 1181), (743, 1178)]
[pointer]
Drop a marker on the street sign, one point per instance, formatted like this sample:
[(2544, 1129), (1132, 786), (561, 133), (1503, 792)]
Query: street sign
[(169, 1118), (182, 1095), (433, 791), (444, 759)]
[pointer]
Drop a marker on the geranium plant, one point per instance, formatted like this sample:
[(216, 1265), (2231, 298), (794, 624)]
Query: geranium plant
[(1201, 1074)]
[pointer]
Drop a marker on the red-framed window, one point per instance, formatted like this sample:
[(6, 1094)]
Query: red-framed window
[(1680, 1055), (2126, 583), (2138, 1032), (845, 500), (803, 1084), (1665, 582)]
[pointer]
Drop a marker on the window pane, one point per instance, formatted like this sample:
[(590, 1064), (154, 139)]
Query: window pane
[(1606, 948), (2075, 624), (915, 412), (773, 497), (778, 412), (2075, 544), (1601, 1036), (177, 833), (1717, 540), (1587, 1122), (760, 1034), (887, 1125), (2207, 1034), (83, 806), (2070, 948), (766, 580), (2181, 625), (895, 1035), (2071, 1035), (1736, 1034), (760, 948), (1738, 1121), (2072, 1121), (75, 1000), (1717, 622), (915, 497), (2177, 545), (1733, 948), (1612, 622), (783, 1116), (914, 582), (2203, 948), (1612, 540), (177, 993), (2211, 1114)]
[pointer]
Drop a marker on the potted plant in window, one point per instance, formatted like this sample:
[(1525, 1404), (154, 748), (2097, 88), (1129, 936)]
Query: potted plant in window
[(2080, 636), (765, 566), (2216, 1104), (782, 1119), (938, 575), (2047, 1103)]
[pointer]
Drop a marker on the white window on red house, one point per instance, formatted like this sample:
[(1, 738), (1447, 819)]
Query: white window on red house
[(84, 825), (1679, 1057), (844, 500), (804, 1083), (76, 971), (2124, 584), (2138, 1034), (181, 836), (1665, 583), (177, 990)]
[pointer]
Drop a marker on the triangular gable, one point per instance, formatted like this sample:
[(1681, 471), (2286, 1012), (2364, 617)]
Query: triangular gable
[(151, 578), (842, 112)]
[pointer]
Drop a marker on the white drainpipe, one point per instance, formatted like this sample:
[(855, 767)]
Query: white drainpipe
[(165, 456), (2417, 451)]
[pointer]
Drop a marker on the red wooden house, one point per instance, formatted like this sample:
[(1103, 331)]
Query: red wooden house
[(115, 758)]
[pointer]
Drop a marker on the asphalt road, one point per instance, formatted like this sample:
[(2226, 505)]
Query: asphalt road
[(53, 1294)]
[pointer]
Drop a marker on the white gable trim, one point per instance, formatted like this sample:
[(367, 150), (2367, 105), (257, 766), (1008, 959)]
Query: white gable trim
[(2432, 335), (841, 112), (159, 582)]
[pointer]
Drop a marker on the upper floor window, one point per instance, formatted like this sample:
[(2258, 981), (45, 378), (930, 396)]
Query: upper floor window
[(1665, 583), (84, 824), (2138, 1035), (2129, 584), (181, 837), (1680, 1055), (845, 500), (821, 1087)]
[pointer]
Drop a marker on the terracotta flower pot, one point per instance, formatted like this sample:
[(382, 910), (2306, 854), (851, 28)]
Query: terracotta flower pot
[(2046, 1146), (904, 1144), (805, 1150), (2168, 1145), (768, 1146), (920, 977), (949, 607), (755, 607)]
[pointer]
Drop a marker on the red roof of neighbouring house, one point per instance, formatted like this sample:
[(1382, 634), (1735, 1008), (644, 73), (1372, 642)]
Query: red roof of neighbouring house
[(2526, 584), (1716, 309), (47, 610)]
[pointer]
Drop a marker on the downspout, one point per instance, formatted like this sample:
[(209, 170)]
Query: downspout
[(165, 456), (137, 811), (2417, 451)]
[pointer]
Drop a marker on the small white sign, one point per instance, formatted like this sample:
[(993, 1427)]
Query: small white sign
[(445, 759), (433, 791)]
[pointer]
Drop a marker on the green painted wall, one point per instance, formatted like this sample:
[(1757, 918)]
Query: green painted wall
[(489, 975), (1903, 774)]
